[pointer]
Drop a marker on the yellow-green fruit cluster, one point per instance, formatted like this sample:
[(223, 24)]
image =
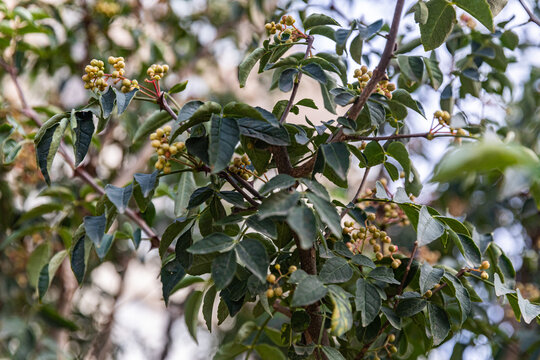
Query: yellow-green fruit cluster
[(157, 72), (384, 87), (119, 65), (239, 167), (107, 8), (160, 142), (377, 238), (443, 117), (129, 85), (93, 79), (282, 27), (272, 27)]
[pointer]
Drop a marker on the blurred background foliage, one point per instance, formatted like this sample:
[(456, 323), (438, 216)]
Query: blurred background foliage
[(45, 46)]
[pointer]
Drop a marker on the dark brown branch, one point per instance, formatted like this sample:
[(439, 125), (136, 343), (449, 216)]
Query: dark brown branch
[(379, 73), (407, 269), (77, 171), (246, 185), (532, 17), (282, 309), (231, 181), (296, 85), (426, 135)]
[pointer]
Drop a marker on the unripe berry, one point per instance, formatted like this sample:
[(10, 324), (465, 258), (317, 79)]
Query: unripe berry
[(391, 338), (485, 265), (364, 69), (392, 248), (115, 74), (386, 240), (292, 268), (165, 146), (395, 264), (160, 132), (156, 143), (270, 293), (379, 256), (277, 266), (289, 20), (271, 278), (371, 217), (111, 60), (484, 275), (428, 294), (438, 114), (167, 170), (167, 129), (376, 247), (153, 136), (159, 165), (126, 82), (391, 87), (278, 291), (268, 26), (393, 349), (160, 151)]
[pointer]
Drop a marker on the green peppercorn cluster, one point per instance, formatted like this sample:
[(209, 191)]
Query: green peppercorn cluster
[(239, 167), (274, 287), (93, 79), (160, 141), (384, 87), (157, 72), (443, 117), (287, 31), (119, 65)]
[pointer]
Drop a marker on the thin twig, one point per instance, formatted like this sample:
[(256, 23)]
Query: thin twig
[(407, 269), (281, 309), (532, 17), (360, 187), (246, 185), (309, 41), (231, 181)]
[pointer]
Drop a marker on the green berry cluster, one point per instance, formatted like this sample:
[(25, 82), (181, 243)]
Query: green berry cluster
[(107, 8), (119, 65), (129, 85), (384, 87), (378, 239), (239, 167), (157, 72), (286, 33), (93, 79), (160, 142), (443, 117), (274, 288)]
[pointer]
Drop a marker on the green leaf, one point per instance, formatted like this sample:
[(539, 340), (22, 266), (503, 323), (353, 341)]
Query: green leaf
[(157, 119), (216, 242), (223, 269), (79, 256), (374, 153), (307, 103), (398, 151), (36, 261), (191, 312), (438, 323), (403, 97), (49, 271), (171, 274), (480, 157), (278, 182), (278, 204), (186, 187), (323, 30), (172, 231), (368, 301), (95, 228), (147, 182), (356, 49), (104, 246), (332, 353), (509, 39), (266, 226), (253, 255), (383, 274), (224, 135), (202, 114), (454, 224), (300, 320), (187, 111), (336, 157), (269, 352), (286, 79), (336, 270), (462, 295), (529, 310), (270, 134), (393, 319), (241, 110), (410, 306), (178, 87), (428, 228), (308, 291), (439, 24), (123, 99), (247, 64), (315, 71), (199, 196), (363, 260), (119, 196), (496, 6), (208, 306), (342, 319), (318, 19), (429, 277), (316, 188), (83, 129), (302, 221), (47, 141), (500, 288), (479, 9), (107, 102), (421, 12), (327, 212), (467, 247)]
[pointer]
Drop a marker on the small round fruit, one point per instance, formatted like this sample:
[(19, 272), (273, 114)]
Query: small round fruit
[(395, 264), (167, 129), (484, 275), (156, 143), (428, 294), (379, 256), (485, 265), (278, 291), (160, 132), (391, 338), (270, 293), (292, 268), (271, 278), (392, 248), (277, 266)]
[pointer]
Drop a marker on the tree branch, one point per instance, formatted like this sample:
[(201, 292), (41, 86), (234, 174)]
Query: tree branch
[(77, 171), (228, 178), (378, 73), (407, 269), (532, 17)]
